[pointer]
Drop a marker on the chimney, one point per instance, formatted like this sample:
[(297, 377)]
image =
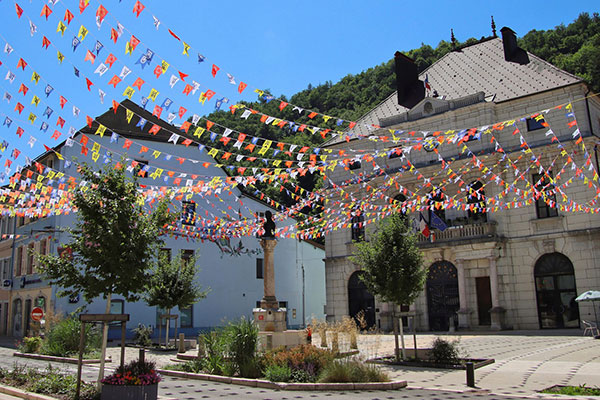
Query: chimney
[(410, 89), (512, 52)]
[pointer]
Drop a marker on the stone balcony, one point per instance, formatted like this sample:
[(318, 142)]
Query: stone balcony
[(477, 232)]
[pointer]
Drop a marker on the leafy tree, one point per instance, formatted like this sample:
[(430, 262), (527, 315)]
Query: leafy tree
[(113, 242), (392, 264), (173, 284)]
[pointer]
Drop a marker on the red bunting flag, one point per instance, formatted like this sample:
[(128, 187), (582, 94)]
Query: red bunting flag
[(138, 83), (89, 84), (23, 89), (21, 63), (182, 75), (182, 111), (45, 42), (157, 111), (215, 69), (114, 35), (186, 142), (83, 5), (209, 125), (352, 125), (115, 106), (158, 71), (114, 81), (187, 89), (68, 16), (138, 8), (89, 120), (174, 35), (127, 144), (20, 131), (19, 10), (154, 130), (46, 11), (110, 60), (84, 150), (185, 126), (101, 13), (89, 57), (282, 105), (60, 122), (209, 94), (241, 87), (133, 42), (56, 135), (312, 115), (19, 107)]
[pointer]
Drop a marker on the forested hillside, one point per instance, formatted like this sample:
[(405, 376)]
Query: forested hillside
[(574, 48)]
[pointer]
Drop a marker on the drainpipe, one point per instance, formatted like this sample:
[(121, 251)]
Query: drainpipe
[(9, 309), (587, 109)]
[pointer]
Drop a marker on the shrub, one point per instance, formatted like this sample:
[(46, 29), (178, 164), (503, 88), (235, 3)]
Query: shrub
[(444, 351), (352, 371), (63, 338), (278, 373), (142, 335), (136, 372), (305, 357), (241, 342), (30, 344), (215, 346)]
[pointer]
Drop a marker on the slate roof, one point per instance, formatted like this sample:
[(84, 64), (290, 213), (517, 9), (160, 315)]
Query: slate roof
[(480, 67)]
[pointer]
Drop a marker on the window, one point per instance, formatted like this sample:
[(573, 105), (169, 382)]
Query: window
[(395, 153), (30, 258), (437, 197), (400, 199), (354, 164), (6, 269), (358, 227), (19, 261), (187, 255), (259, 268), (533, 124), (544, 196), (140, 168), (186, 317), (476, 202), (188, 213)]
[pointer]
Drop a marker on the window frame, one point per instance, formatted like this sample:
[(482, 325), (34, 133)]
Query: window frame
[(534, 125), (260, 268), (541, 207), (357, 233), (182, 312)]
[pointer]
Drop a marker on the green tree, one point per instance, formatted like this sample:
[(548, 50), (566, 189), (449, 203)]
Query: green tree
[(173, 284), (112, 244), (392, 265)]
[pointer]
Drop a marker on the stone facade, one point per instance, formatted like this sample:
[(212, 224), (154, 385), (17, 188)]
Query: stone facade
[(502, 249)]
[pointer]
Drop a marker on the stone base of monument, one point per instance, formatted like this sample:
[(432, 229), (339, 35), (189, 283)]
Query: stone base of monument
[(272, 329)]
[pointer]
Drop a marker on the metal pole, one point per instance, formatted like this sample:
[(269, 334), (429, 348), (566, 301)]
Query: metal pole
[(142, 356), (80, 360), (122, 343), (470, 374)]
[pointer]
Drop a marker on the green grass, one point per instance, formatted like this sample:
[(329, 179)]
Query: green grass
[(581, 390)]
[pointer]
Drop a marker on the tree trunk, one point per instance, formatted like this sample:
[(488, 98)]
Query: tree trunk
[(104, 342), (168, 323), (395, 325)]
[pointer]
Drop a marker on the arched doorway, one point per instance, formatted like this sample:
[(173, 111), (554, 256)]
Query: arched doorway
[(442, 295), (555, 292), (359, 299)]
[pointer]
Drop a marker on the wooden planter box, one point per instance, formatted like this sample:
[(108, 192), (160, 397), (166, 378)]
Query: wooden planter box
[(129, 392)]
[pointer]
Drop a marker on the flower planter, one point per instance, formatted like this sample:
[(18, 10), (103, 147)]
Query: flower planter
[(129, 392)]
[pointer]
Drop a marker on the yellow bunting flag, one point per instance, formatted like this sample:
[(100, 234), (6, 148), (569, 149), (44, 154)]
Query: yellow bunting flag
[(259, 92), (186, 48), (199, 131), (35, 100), (82, 32), (213, 152), (32, 117), (128, 48), (164, 66), (129, 92), (35, 77), (202, 98), (96, 147), (266, 146), (95, 156), (60, 56), (100, 131), (61, 28), (129, 115), (153, 94), (156, 153)]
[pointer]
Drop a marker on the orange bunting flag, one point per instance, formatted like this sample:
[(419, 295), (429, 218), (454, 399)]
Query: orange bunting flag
[(68, 16), (83, 5), (101, 12), (185, 126), (89, 121), (46, 11), (114, 35), (115, 105), (110, 60), (21, 63), (114, 81), (215, 69), (352, 125), (138, 83), (182, 111), (138, 8), (182, 75), (89, 57), (19, 107), (63, 101), (23, 89), (19, 10), (209, 94), (241, 87), (282, 105), (209, 124), (312, 115), (154, 130), (158, 71), (157, 111), (45, 42), (89, 84), (187, 89)]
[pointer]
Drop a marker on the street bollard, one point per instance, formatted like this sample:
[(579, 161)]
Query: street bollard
[(142, 356), (181, 343), (470, 374)]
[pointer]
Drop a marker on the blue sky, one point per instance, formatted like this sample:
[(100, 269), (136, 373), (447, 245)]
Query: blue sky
[(282, 46)]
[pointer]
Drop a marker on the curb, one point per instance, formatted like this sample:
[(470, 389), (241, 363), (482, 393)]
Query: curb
[(12, 391), (66, 360), (286, 386)]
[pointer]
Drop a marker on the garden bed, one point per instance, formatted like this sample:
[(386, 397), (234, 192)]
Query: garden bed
[(477, 363), (286, 386), (68, 360), (581, 390)]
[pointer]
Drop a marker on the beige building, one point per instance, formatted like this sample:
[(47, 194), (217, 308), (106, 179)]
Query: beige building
[(518, 198)]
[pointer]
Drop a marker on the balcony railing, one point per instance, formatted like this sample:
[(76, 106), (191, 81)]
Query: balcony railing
[(464, 232)]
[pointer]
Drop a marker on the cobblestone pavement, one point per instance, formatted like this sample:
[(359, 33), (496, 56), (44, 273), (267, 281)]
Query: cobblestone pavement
[(525, 363)]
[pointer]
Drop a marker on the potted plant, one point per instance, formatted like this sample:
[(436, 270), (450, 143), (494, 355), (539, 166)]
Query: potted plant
[(137, 380)]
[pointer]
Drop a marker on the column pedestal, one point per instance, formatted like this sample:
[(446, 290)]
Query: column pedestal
[(463, 312)]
